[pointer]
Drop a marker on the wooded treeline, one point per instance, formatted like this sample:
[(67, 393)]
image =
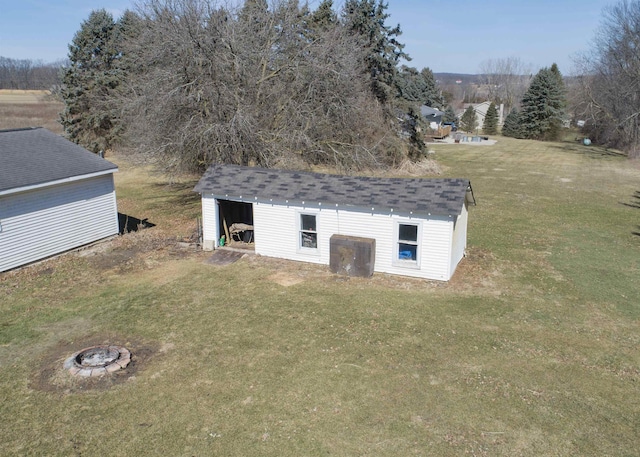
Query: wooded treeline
[(25, 74), (194, 82), (606, 94)]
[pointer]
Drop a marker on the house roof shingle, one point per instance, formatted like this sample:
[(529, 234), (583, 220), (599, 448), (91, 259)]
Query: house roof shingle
[(424, 195), (35, 156)]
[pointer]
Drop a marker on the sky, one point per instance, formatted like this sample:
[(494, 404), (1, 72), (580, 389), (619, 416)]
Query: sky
[(454, 36)]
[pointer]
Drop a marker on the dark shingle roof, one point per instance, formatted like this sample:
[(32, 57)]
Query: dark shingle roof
[(436, 196), (36, 156), (427, 111)]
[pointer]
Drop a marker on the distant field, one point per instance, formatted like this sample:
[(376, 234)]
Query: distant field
[(29, 108), (23, 96)]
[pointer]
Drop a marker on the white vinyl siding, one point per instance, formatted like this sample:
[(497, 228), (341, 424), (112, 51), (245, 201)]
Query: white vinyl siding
[(210, 232), (459, 243), (50, 220), (436, 247), (277, 234), (276, 228)]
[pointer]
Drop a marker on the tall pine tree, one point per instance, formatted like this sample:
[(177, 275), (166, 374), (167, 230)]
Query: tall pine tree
[(469, 121), (449, 115), (323, 18), (490, 124), (542, 106), (89, 117), (381, 50), (420, 87), (511, 126), (86, 84)]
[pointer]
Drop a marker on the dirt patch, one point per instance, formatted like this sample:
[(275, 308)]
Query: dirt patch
[(136, 251), (224, 257), (285, 278), (51, 376), (478, 272)]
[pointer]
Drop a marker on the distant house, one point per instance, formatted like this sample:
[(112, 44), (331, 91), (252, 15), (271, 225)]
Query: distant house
[(432, 116), (481, 112), (54, 196), (417, 227)]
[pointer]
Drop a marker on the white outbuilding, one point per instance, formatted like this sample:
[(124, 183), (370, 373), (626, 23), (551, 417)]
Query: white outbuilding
[(413, 227), (54, 196)]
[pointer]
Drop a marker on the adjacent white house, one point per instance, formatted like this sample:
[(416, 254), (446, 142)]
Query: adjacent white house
[(418, 226), (481, 112), (54, 196)]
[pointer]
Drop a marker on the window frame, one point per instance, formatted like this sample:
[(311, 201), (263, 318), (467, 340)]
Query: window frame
[(407, 263), (301, 230)]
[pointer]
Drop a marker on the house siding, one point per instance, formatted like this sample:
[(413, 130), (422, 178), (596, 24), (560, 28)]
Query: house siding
[(276, 231), (50, 220), (210, 231), (459, 244)]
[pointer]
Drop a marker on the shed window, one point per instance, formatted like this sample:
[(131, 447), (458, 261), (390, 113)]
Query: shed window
[(308, 233), (408, 246)]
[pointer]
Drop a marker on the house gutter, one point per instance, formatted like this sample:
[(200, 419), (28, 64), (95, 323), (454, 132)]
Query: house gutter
[(16, 190)]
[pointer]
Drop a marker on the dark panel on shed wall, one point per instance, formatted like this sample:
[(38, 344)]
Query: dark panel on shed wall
[(352, 256)]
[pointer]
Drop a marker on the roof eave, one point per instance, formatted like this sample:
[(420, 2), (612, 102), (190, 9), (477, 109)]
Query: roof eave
[(16, 190), (332, 205)]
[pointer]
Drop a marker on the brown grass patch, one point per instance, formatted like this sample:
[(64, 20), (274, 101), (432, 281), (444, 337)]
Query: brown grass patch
[(24, 96), (425, 167), (22, 109), (286, 279)]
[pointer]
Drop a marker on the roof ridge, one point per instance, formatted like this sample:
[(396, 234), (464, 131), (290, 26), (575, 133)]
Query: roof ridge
[(335, 175)]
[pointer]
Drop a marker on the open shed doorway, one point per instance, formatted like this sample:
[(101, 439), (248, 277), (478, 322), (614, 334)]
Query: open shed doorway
[(236, 224)]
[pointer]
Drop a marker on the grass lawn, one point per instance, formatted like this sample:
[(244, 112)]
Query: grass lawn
[(531, 349)]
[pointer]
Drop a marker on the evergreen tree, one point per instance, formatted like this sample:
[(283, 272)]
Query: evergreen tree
[(323, 18), (420, 87), (542, 106), (449, 115), (254, 10), (469, 121), (89, 118), (410, 84), (381, 50), (128, 28), (511, 126), (556, 124), (414, 125), (555, 71), (490, 125), (432, 93)]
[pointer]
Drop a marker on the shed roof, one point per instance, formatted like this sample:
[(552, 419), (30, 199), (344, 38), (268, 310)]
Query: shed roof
[(36, 156), (428, 111), (421, 195)]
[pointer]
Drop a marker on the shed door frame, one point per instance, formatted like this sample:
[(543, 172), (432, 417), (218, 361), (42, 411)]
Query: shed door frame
[(231, 212)]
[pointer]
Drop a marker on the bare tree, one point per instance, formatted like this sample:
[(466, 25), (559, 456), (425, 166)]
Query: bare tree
[(248, 86), (28, 74), (506, 79), (606, 93)]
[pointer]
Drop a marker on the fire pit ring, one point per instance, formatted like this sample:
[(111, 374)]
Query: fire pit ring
[(98, 360)]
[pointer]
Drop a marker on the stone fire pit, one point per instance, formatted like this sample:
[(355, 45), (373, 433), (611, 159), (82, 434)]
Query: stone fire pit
[(98, 360)]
